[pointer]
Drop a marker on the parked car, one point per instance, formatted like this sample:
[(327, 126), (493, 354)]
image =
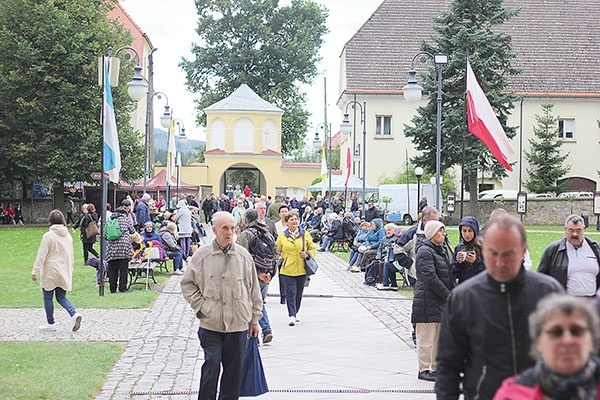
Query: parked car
[(539, 195), (576, 195), (498, 195)]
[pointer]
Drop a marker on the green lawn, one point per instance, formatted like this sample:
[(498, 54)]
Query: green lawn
[(55, 370), (17, 290)]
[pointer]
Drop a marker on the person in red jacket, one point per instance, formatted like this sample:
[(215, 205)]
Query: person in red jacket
[(565, 333)]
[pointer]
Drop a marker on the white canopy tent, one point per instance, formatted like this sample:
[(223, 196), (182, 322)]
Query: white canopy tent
[(337, 185)]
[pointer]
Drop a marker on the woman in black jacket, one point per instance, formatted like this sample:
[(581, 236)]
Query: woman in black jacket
[(434, 283), (88, 215)]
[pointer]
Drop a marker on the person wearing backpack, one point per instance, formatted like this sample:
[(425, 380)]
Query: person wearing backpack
[(260, 243), (119, 250)]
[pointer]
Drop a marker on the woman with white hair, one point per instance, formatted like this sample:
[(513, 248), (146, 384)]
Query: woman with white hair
[(434, 283), (565, 334), (172, 249)]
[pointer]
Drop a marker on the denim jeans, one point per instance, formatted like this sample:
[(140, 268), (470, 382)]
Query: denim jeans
[(326, 241), (294, 287), (229, 350), (353, 257), (389, 274), (61, 297), (264, 323), (177, 258)]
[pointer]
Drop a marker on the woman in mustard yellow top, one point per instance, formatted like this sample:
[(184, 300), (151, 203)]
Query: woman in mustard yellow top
[(293, 272)]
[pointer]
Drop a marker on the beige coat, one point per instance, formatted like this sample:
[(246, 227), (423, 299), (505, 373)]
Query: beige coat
[(223, 289), (55, 259)]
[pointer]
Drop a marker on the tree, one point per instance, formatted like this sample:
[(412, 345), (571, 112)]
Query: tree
[(470, 28), (270, 48), (49, 94), (545, 159)]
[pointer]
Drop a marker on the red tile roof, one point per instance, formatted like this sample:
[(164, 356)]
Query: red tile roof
[(556, 42)]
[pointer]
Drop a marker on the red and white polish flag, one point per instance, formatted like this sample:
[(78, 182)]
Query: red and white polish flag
[(483, 122)]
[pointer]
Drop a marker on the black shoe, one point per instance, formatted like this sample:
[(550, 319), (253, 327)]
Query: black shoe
[(320, 249), (426, 376)]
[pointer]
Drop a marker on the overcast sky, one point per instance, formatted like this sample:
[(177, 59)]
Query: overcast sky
[(170, 25)]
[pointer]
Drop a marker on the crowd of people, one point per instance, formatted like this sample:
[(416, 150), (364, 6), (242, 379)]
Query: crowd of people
[(485, 325), (11, 214)]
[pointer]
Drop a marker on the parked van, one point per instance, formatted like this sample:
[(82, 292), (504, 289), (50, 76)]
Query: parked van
[(498, 195), (404, 200), (576, 195)]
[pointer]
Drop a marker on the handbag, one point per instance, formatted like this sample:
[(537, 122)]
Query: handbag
[(254, 382), (91, 230), (309, 262)]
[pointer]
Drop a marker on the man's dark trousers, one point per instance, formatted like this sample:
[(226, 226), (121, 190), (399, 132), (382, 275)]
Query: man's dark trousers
[(229, 350)]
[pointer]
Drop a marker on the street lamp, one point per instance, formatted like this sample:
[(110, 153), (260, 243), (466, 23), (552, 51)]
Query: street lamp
[(317, 144), (346, 129), (181, 139), (412, 94), (137, 89), (419, 174), (164, 122)]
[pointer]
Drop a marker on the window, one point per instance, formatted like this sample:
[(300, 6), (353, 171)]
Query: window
[(384, 125), (566, 129)]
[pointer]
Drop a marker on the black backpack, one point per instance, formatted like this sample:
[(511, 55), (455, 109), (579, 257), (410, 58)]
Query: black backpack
[(349, 229), (372, 273), (263, 251)]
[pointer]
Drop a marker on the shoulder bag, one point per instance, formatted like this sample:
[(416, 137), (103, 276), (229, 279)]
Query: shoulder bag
[(309, 262), (92, 229)]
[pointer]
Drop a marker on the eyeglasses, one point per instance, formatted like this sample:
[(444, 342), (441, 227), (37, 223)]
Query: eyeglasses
[(575, 331)]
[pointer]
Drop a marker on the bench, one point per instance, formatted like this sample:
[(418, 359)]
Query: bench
[(143, 269), (340, 245)]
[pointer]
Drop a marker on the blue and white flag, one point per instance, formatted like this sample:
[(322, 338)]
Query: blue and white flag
[(112, 153)]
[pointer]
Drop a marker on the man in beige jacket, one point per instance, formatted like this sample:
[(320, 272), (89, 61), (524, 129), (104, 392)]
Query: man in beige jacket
[(221, 285)]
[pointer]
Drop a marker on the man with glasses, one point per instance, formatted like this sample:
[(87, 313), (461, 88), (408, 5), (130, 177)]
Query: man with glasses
[(574, 261)]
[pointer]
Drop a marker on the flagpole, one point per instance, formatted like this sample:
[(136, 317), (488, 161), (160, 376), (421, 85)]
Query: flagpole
[(111, 157), (104, 194)]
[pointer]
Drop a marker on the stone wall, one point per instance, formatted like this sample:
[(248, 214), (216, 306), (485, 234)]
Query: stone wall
[(551, 211), (37, 211)]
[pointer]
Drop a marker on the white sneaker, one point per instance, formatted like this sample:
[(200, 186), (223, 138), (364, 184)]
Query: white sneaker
[(76, 320), (292, 321), (355, 269), (48, 327), (346, 267)]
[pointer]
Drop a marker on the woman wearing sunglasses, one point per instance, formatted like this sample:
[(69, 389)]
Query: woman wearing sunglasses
[(565, 334)]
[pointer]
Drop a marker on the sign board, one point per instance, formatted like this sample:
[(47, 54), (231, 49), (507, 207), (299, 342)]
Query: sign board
[(521, 203), (97, 176), (597, 203), (450, 202)]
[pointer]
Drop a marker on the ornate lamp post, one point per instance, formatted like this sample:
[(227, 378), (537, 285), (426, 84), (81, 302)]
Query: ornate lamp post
[(346, 129), (419, 174), (164, 122), (412, 94)]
